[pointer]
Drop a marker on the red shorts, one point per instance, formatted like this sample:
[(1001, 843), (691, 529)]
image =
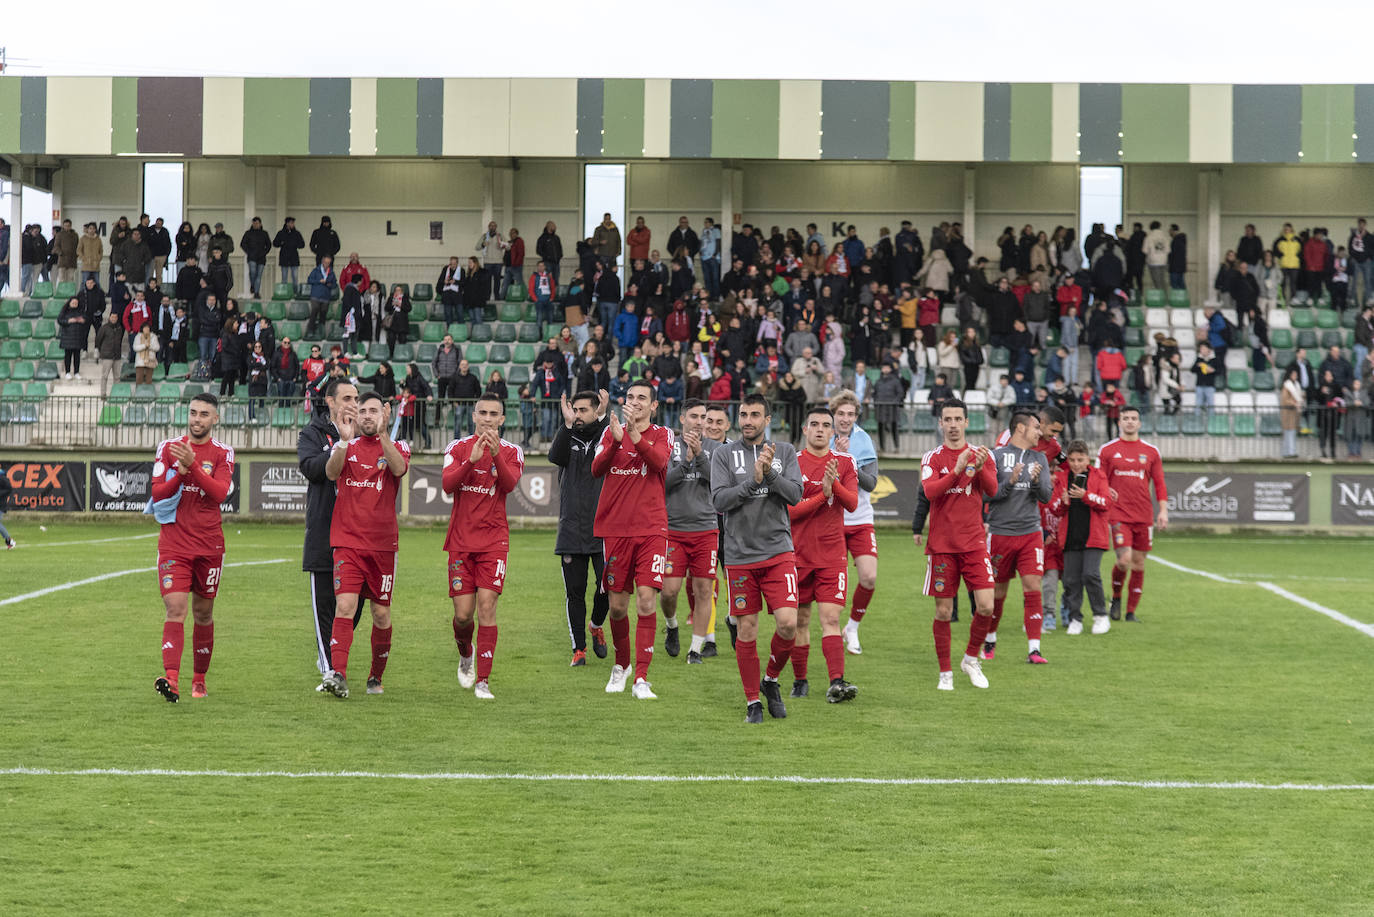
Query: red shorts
[(1017, 555), (828, 586), (1133, 536), (468, 572), (692, 554), (861, 540), (773, 581), (189, 574), (634, 561), (1054, 555), (943, 572), (366, 574)]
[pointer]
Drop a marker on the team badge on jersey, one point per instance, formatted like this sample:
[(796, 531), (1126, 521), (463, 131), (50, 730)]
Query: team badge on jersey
[(167, 581), (381, 462), (207, 467)]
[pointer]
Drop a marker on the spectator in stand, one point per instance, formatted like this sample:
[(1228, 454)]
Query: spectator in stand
[(109, 342), (637, 240), (1330, 405), (492, 245), (1315, 263), (970, 357), (450, 287), (626, 331), (324, 241), (138, 259), (683, 242), (549, 248), (92, 300), (1205, 370), (513, 261), (1339, 284), (185, 243), (542, 288), (119, 237), (1134, 249), (947, 358), (710, 257), (837, 270), (374, 309), (73, 323), (447, 358), (1245, 292), (290, 242), (221, 240), (1157, 255), (1003, 310), (605, 241), (464, 390), (1292, 401), (89, 252), (1037, 310), (354, 269), (160, 244), (259, 377), (1250, 248), (940, 392), (1112, 402), (1364, 335), (1218, 332), (323, 282), (936, 275), (1111, 365), (350, 311), (219, 275), (1338, 366), (64, 246), (285, 370), (608, 293), (1361, 245), (230, 357), (1108, 273), (1289, 247), (134, 318), (1001, 398), (255, 245), (476, 284), (888, 395), (1356, 418), (396, 315)]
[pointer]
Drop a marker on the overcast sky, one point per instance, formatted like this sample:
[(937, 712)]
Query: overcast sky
[(1199, 41)]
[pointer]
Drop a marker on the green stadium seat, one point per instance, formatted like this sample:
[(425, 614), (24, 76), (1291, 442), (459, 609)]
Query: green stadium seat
[(1307, 337), (298, 311), (519, 374), (10, 350), (1178, 299), (168, 393), (35, 392), (1349, 317), (12, 391), (413, 330), (135, 414), (524, 353), (42, 290), (510, 311), (45, 329), (1243, 424), (489, 313), (4, 371), (480, 334), (1284, 358), (274, 310), (427, 373), (1154, 298), (315, 336), (120, 393), (425, 353), (422, 292), (32, 308), (65, 290), (999, 358), (436, 312), (1166, 424), (1132, 354), (302, 292), (1238, 380), (1270, 424), (282, 292), (924, 420), (55, 351), (34, 350), (160, 415), (528, 332), (178, 371), (283, 417), (1219, 425), (505, 333), (1332, 337), (289, 329), (432, 333), (1281, 338), (9, 308), (499, 353), (234, 415), (21, 372), (1328, 318), (1303, 318), (53, 308), (476, 353), (1263, 382), (516, 293), (403, 353), (110, 416), (1135, 337), (21, 330), (333, 331), (459, 332), (377, 352), (46, 372), (977, 422)]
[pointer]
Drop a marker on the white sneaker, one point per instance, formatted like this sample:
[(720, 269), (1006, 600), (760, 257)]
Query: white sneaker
[(482, 691), (851, 640), (1101, 624), (67, 376), (78, 377), (617, 683), (974, 670), (1075, 628), (946, 681), (467, 674), (641, 691)]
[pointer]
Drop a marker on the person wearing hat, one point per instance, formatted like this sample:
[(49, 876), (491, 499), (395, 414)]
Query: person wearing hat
[(324, 241), (290, 241), (221, 240)]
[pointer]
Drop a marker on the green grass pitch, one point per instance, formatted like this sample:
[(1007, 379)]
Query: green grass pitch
[(1218, 682)]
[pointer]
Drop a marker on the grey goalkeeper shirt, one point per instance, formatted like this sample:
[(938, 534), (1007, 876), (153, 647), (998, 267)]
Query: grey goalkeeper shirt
[(1014, 509)]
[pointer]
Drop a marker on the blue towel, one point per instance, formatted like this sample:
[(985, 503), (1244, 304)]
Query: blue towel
[(861, 446), (165, 510)]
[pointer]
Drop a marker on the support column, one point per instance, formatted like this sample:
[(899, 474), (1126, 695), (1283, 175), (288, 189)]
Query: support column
[(14, 216), (507, 199), (250, 210), (731, 203), (970, 204), (1208, 258), (57, 185), (488, 198)]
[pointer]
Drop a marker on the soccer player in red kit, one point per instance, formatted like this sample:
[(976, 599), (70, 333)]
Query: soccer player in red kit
[(192, 476), (830, 488), (479, 470), (367, 468), (955, 477), (632, 522), (1131, 466)]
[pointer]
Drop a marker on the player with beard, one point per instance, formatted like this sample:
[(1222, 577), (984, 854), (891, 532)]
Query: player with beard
[(584, 420), (753, 482), (479, 471), (632, 522), (861, 539), (1131, 466), (692, 529), (367, 468), (192, 476), (830, 490)]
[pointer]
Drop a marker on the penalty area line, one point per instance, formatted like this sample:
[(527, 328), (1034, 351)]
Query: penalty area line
[(1333, 614), (62, 587), (459, 776)]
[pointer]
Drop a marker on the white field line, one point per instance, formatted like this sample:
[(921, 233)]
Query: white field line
[(61, 587), (456, 776), (23, 545), (1333, 614)]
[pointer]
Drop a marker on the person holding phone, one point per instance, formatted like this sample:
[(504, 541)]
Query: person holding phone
[(1081, 499)]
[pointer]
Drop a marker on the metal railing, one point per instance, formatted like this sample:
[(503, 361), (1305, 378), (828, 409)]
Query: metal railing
[(271, 424)]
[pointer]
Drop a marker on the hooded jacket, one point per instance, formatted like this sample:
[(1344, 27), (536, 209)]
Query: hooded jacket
[(312, 454), (756, 523)]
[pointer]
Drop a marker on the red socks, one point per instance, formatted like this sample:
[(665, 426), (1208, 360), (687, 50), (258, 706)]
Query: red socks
[(340, 642), (173, 636), (620, 639), (1137, 586), (941, 629), (1118, 578), (977, 631), (462, 635), (778, 653), (202, 646), (862, 597), (381, 651), (800, 652), (486, 651), (646, 630), (747, 658), (1034, 614), (996, 613), (833, 649)]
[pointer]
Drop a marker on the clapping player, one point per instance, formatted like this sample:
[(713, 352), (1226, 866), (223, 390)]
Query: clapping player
[(692, 531)]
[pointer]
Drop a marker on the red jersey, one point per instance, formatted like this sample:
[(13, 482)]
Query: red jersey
[(197, 530), (365, 508), (314, 368), (1048, 445), (817, 521), (956, 503), (478, 520), (633, 498), (1130, 468)]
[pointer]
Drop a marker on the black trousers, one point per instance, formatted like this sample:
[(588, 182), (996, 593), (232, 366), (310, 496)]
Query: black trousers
[(575, 585), (322, 602)]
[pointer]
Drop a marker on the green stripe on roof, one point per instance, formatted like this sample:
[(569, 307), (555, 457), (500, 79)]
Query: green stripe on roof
[(1154, 120), (397, 107), (276, 117), (901, 120), (1328, 123), (1032, 112), (744, 119), (124, 115), (622, 118)]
